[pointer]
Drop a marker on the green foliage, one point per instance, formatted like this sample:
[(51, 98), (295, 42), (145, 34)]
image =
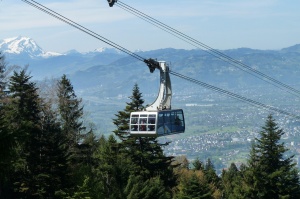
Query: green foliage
[(7, 142), (82, 191), (23, 116), (7, 150), (181, 162), (193, 184), (137, 188), (122, 120), (53, 153), (145, 154), (198, 165), (45, 153), (2, 63), (2, 71), (231, 182), (39, 167), (39, 164), (110, 171), (210, 174), (71, 112), (269, 173)]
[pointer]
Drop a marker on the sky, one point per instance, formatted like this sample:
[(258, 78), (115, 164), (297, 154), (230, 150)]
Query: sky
[(220, 24)]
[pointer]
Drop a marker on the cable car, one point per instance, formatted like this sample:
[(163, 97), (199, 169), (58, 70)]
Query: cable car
[(158, 119), (157, 123)]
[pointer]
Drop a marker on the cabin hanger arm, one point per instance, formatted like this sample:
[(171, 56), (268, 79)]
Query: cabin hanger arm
[(111, 2), (164, 97)]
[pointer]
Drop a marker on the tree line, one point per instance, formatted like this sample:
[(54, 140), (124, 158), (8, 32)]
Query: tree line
[(47, 151)]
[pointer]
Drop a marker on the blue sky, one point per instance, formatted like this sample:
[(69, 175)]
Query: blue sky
[(220, 24)]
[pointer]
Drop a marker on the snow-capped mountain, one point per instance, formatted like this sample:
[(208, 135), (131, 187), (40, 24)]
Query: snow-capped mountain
[(108, 50), (26, 46), (23, 51), (102, 50)]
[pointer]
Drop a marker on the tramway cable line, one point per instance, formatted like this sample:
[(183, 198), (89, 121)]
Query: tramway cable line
[(80, 27), (233, 95), (210, 51), (158, 119)]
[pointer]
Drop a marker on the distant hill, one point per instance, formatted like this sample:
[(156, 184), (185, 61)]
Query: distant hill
[(23, 50), (104, 78), (292, 49), (116, 72)]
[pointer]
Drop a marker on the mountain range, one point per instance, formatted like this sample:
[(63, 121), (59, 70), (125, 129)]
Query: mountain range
[(23, 50), (108, 72), (104, 79)]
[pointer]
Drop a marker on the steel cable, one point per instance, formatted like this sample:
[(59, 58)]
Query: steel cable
[(210, 51), (99, 37), (81, 28), (233, 95)]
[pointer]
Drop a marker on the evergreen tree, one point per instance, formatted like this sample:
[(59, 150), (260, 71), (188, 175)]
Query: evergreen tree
[(137, 187), (40, 159), (231, 182), (110, 171), (7, 141), (269, 173), (146, 154), (181, 162), (198, 165), (87, 148), (6, 138), (39, 164), (52, 167), (23, 117), (5, 71), (210, 173), (193, 184), (7, 149), (193, 189), (81, 191), (71, 112), (71, 118), (2, 71), (122, 120)]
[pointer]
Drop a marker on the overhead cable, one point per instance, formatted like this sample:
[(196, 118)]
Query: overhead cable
[(210, 51), (148, 61), (80, 27), (233, 95)]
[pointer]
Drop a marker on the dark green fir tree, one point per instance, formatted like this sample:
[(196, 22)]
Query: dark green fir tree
[(52, 173), (2, 75), (8, 146), (270, 173), (7, 138), (193, 184), (23, 116), (198, 165), (231, 182), (210, 173), (70, 113), (110, 171), (146, 154), (122, 120)]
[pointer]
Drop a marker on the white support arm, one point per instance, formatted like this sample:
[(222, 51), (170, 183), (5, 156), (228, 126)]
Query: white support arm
[(163, 100)]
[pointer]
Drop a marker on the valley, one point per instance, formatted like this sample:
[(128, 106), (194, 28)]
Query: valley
[(218, 127)]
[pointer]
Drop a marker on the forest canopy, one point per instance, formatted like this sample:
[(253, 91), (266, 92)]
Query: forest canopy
[(47, 151)]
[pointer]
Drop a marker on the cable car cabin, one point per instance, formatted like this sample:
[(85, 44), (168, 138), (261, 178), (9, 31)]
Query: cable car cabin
[(158, 119), (157, 123)]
